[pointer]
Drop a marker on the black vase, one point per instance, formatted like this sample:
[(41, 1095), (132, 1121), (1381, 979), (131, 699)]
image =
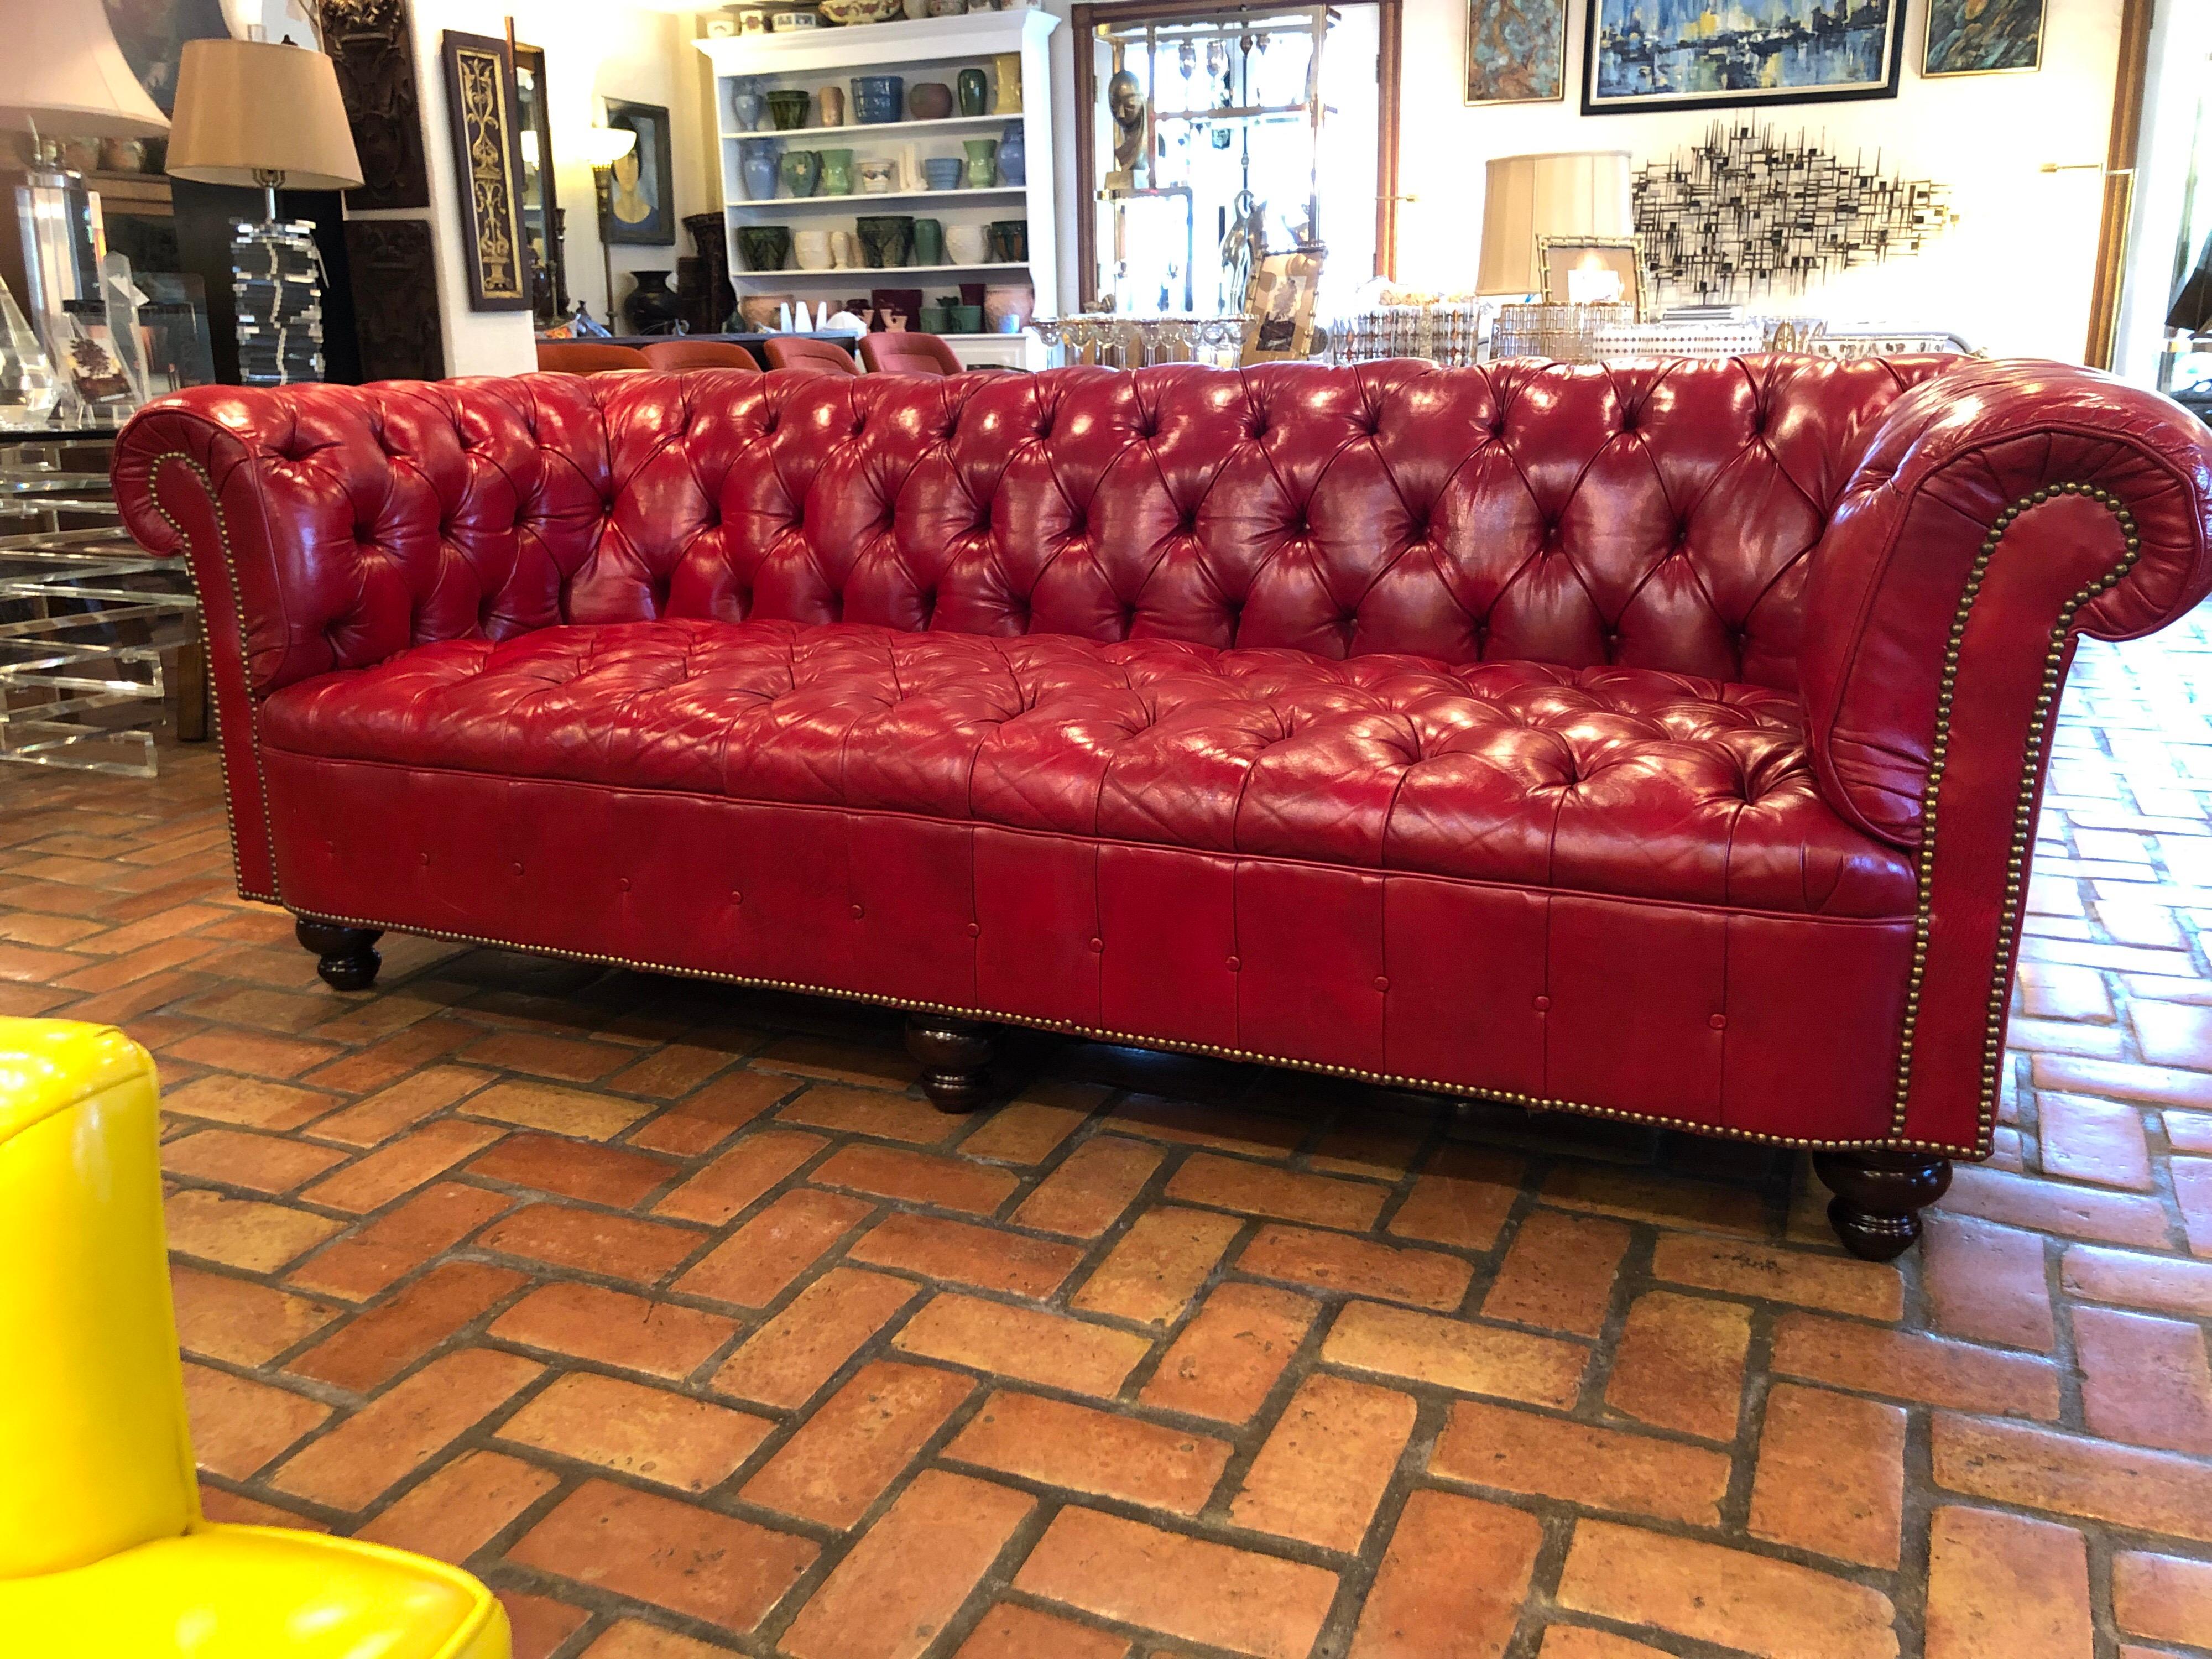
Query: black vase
[(652, 307), (716, 297)]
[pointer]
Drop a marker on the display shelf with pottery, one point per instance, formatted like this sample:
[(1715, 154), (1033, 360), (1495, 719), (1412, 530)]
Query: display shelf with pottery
[(934, 61), (778, 206)]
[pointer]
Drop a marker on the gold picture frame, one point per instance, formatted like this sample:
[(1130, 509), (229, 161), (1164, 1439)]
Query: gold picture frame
[(1515, 52), (1560, 257), (1948, 15)]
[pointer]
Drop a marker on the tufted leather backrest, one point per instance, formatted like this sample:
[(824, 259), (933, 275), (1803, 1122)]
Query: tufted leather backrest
[(1657, 515)]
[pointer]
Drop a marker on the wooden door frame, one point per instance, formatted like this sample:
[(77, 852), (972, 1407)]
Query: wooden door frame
[(1083, 22), (2123, 155)]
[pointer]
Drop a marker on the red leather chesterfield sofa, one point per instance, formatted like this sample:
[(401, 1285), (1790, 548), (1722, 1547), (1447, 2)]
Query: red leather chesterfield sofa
[(1660, 741)]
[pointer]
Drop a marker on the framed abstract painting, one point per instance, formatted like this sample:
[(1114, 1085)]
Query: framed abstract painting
[(1982, 37), (1517, 51), (1729, 54)]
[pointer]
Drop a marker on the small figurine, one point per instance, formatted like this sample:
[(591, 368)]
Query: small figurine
[(1124, 101)]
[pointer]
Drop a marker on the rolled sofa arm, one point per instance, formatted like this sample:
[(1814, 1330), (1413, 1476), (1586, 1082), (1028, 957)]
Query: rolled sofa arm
[(2002, 510)]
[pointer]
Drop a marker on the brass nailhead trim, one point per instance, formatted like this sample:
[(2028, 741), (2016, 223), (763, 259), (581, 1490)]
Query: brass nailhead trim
[(2023, 830)]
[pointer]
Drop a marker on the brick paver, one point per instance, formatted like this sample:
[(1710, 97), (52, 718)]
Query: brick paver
[(673, 1310)]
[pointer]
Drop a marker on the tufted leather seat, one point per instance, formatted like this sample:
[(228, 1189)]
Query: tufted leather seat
[(1659, 740), (1507, 772)]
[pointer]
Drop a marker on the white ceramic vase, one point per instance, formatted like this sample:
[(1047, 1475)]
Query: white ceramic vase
[(812, 249), (966, 245)]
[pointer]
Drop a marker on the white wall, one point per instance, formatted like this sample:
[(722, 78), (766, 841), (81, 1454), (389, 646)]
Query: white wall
[(2014, 275), (592, 47)]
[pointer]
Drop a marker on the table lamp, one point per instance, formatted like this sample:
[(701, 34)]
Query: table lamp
[(253, 113), (1529, 199), (62, 73)]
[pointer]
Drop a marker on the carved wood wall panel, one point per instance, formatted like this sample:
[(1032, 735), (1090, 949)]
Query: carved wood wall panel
[(373, 47), (395, 297)]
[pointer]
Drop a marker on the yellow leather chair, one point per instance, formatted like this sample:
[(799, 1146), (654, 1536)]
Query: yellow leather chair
[(103, 1553)]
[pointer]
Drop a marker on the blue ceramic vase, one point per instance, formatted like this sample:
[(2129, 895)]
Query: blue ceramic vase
[(759, 167), (1013, 154)]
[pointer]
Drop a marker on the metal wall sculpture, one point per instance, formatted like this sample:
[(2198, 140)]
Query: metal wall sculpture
[(373, 48), (1745, 213), (395, 300), (488, 162)]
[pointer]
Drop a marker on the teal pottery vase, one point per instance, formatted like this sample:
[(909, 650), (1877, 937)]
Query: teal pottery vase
[(974, 92), (929, 246), (802, 171), (836, 172), (982, 162)]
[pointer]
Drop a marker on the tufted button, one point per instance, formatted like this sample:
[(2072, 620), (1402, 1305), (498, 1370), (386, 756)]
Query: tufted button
[(1718, 1022), (425, 858), (737, 898), (1097, 946), (1044, 427), (974, 930), (858, 913), (1075, 526), (1188, 525), (1542, 1004), (1382, 981), (1236, 964), (623, 882), (517, 867)]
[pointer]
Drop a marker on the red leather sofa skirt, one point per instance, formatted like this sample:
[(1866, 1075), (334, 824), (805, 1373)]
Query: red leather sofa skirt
[(1720, 1020)]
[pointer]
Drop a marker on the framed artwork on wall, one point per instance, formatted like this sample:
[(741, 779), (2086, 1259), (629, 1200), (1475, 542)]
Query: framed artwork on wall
[(1990, 39), (480, 103), (1690, 54), (152, 35), (1517, 51), (637, 194)]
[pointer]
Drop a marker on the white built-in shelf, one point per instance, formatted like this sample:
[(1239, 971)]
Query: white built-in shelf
[(861, 129), (920, 49), (863, 201), (917, 40), (876, 275)]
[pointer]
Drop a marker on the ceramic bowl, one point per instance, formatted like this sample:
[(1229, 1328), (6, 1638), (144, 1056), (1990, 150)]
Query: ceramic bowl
[(1008, 307), (877, 98), (878, 176), (764, 247), (967, 319), (932, 100), (936, 319), (788, 109), (944, 172), (812, 247)]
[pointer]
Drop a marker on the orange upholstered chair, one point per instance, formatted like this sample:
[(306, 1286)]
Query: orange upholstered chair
[(698, 353), (785, 351), (589, 357), (908, 353)]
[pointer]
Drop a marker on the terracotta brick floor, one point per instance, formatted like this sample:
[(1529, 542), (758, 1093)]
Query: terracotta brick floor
[(670, 1310)]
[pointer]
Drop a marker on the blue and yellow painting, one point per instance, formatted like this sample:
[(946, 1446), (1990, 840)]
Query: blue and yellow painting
[(1980, 37), (1515, 51), (1648, 52)]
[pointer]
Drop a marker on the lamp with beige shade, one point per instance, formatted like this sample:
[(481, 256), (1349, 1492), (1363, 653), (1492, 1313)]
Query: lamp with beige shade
[(1534, 207), (62, 75), (252, 112)]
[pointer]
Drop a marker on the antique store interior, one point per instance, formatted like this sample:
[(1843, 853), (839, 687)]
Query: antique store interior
[(1132, 829)]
